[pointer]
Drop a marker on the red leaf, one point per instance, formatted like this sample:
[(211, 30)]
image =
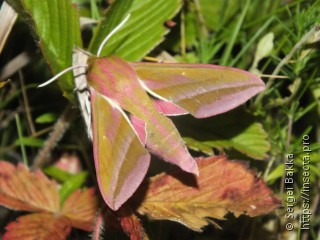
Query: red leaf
[(22, 190), (81, 208), (221, 187), (38, 226)]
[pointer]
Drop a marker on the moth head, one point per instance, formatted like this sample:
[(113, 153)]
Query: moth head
[(91, 59)]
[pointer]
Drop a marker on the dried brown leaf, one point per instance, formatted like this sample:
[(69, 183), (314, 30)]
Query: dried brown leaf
[(40, 226), (81, 208), (22, 190), (222, 186)]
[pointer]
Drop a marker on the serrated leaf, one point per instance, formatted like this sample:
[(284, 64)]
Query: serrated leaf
[(222, 186), (116, 12), (40, 226), (232, 130), (22, 190), (142, 32), (81, 207), (56, 23), (252, 142)]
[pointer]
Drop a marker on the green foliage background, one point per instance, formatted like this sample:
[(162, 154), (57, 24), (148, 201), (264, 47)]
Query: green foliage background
[(263, 132)]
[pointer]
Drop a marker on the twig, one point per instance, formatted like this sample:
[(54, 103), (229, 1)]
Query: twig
[(58, 131), (42, 132), (26, 104), (15, 64)]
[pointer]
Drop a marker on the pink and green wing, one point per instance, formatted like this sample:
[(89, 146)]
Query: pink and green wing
[(164, 140), (203, 90), (121, 160), (115, 79)]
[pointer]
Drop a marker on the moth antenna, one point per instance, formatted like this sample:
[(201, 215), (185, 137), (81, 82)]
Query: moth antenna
[(112, 33), (273, 76), (60, 74)]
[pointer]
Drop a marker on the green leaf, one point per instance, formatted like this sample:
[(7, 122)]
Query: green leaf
[(252, 142), (142, 32), (29, 141), (47, 118), (117, 11), (56, 23), (198, 146), (57, 173), (233, 130), (275, 174), (217, 13), (72, 184), (264, 49)]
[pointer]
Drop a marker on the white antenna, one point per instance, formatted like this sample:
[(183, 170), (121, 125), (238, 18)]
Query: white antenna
[(112, 33), (98, 53), (60, 74)]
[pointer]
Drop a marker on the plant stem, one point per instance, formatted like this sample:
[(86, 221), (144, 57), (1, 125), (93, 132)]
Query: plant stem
[(58, 131), (23, 149), (227, 53), (287, 58)]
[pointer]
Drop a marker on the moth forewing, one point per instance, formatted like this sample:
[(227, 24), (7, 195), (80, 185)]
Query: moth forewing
[(121, 160)]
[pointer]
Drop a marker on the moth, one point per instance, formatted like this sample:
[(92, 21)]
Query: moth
[(127, 105)]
